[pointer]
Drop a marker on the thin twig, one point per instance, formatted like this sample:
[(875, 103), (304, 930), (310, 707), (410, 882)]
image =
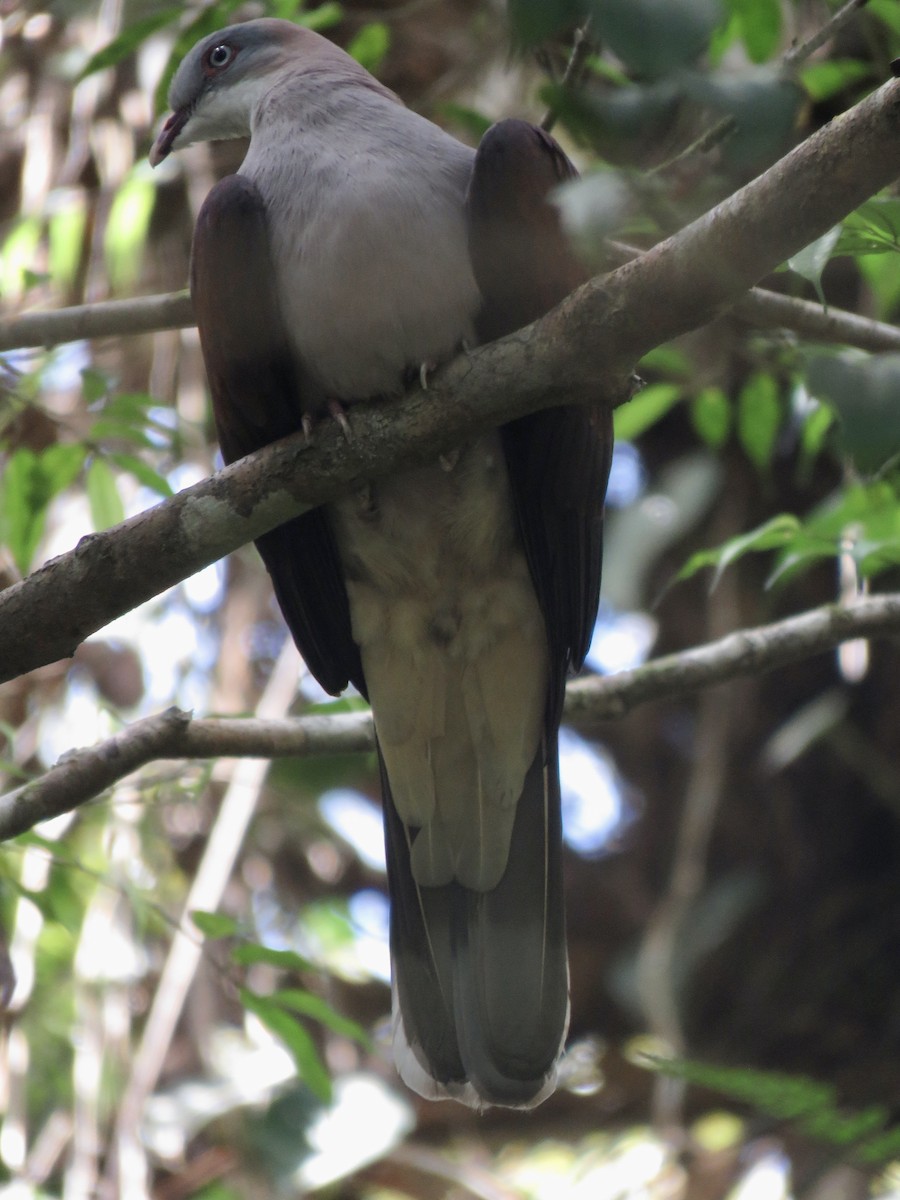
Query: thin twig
[(580, 49), (842, 17), (82, 774)]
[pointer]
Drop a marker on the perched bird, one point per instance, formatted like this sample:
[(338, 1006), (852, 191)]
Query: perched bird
[(358, 243)]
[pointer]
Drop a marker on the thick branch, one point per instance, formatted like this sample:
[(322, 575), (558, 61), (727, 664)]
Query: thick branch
[(81, 775), (582, 350)]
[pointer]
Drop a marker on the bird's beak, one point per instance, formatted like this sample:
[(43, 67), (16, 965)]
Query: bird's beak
[(165, 140)]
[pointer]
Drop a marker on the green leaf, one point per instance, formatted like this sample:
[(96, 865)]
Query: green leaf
[(65, 233), (319, 18), (656, 37), (103, 495), (711, 416), (758, 25), (874, 228), (17, 255), (863, 390), (95, 384), (309, 1005), (534, 21), (129, 40), (822, 80), (295, 1038), (142, 472), (887, 11), (126, 230), (371, 45), (29, 483), (813, 434), (772, 535), (645, 409), (759, 418), (252, 952), (812, 260), (667, 360), (214, 925), (475, 124), (813, 1106)]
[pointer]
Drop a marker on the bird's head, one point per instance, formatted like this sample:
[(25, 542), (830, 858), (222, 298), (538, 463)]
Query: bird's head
[(219, 83)]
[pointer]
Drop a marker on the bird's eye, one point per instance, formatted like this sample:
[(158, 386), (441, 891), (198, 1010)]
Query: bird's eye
[(218, 57)]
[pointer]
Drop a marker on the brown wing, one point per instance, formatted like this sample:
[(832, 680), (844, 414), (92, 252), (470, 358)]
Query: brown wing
[(558, 459), (255, 383)]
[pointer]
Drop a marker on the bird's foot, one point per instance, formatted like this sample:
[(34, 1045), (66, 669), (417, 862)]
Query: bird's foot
[(449, 459)]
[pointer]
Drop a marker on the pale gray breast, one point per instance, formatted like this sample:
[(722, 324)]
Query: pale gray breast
[(369, 241)]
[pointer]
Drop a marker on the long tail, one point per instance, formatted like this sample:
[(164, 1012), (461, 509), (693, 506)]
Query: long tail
[(481, 978)]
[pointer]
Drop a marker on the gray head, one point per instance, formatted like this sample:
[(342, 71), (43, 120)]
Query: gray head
[(220, 82)]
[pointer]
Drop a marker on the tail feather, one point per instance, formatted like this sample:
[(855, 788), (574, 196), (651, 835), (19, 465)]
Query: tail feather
[(481, 978)]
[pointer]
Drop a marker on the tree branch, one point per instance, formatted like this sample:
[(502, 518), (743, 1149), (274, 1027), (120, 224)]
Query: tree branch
[(108, 318), (582, 350), (82, 774)]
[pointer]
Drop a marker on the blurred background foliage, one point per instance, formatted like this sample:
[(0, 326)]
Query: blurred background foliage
[(732, 859)]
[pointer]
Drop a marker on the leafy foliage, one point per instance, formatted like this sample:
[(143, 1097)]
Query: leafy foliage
[(866, 1135)]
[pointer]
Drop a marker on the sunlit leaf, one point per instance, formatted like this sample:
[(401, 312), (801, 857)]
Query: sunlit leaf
[(29, 483), (95, 384), (308, 1005), (825, 79), (812, 260), (295, 1038), (142, 472), (103, 495), (130, 39), (758, 26), (18, 254), (126, 231), (759, 418), (874, 228), (770, 536), (645, 409), (319, 18), (287, 960), (371, 45), (887, 11), (814, 432), (667, 360), (812, 1105), (66, 232), (214, 925), (711, 415)]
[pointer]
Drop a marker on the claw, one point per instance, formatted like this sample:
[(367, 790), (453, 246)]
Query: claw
[(424, 368), (339, 413)]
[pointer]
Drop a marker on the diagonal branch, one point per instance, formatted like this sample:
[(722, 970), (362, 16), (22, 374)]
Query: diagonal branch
[(81, 775), (582, 350)]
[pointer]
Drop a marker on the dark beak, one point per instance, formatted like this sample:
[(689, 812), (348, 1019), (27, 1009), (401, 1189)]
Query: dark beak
[(167, 135)]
